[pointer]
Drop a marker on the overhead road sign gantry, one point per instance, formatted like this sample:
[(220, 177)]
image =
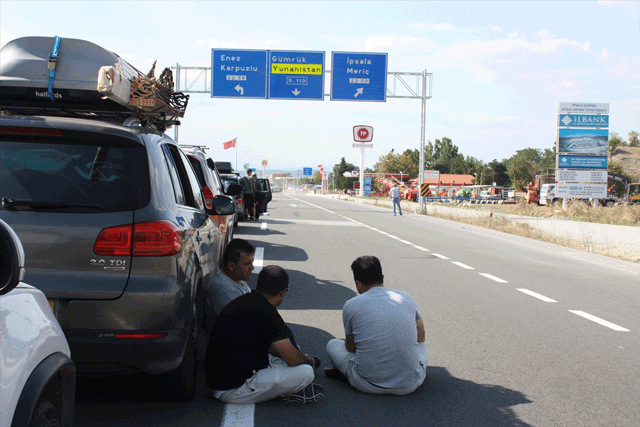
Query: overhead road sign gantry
[(296, 75), (358, 76), (239, 73)]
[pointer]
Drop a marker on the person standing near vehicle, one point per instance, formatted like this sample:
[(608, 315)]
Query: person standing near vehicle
[(230, 281), (395, 198), (248, 198), (384, 351)]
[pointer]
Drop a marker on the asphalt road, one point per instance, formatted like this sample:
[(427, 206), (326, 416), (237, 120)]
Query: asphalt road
[(520, 332)]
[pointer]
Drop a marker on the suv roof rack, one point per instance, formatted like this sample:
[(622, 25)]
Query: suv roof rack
[(55, 76), (202, 148)]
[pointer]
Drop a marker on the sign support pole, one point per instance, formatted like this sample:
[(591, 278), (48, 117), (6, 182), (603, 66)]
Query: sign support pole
[(361, 178), (423, 120)]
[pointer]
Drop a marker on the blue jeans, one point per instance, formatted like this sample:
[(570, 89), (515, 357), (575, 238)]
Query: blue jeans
[(396, 202)]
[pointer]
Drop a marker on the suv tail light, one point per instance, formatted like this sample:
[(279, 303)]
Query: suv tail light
[(155, 238), (208, 197)]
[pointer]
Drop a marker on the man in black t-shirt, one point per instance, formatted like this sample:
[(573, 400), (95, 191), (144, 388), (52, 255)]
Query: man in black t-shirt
[(252, 356)]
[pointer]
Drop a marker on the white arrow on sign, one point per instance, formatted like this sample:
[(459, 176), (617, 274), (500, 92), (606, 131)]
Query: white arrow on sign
[(358, 92), (239, 89), (296, 92)]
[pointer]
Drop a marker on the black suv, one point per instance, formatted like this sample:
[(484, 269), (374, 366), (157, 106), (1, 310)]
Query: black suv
[(111, 216)]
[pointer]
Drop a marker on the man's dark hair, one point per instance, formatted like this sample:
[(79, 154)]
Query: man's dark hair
[(249, 172), (367, 269), (272, 280), (235, 248)]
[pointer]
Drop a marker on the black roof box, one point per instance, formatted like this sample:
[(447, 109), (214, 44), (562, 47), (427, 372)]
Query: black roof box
[(89, 81), (24, 74)]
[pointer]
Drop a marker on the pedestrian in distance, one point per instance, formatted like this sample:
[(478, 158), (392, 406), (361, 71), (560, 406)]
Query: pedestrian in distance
[(384, 351), (248, 195), (230, 281), (252, 355), (395, 198)]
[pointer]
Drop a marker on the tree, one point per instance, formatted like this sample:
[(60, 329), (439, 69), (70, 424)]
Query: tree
[(443, 156), (633, 139), (498, 173), (342, 182), (614, 142)]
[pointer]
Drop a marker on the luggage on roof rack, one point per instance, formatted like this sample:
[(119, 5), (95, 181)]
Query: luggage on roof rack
[(87, 81)]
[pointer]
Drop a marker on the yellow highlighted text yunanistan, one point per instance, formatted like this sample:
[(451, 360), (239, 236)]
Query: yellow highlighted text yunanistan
[(311, 69)]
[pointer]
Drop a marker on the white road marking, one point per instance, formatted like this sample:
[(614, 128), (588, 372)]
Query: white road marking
[(263, 226), (295, 206), (465, 266), (536, 295), (440, 256), (599, 320), (497, 279), (238, 415), (258, 260), (420, 248), (405, 242)]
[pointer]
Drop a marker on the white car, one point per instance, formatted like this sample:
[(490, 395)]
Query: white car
[(37, 376)]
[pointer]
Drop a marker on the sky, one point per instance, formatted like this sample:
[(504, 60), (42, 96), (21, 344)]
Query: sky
[(498, 69)]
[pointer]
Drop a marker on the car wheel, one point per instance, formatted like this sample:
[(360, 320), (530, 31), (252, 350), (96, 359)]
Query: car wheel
[(45, 415), (180, 384)]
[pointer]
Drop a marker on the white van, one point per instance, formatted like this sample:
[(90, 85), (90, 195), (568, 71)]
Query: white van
[(547, 194)]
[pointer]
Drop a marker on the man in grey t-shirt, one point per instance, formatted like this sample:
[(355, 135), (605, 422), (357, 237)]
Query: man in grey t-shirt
[(231, 281), (384, 351)]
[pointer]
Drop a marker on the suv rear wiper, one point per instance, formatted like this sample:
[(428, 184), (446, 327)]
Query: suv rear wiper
[(13, 204)]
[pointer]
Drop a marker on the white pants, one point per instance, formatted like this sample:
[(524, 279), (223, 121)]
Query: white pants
[(345, 362), (277, 379)]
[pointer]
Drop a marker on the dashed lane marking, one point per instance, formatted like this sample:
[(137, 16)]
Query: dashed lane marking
[(465, 266), (263, 226), (494, 278), (238, 415), (258, 260), (440, 256), (536, 295), (599, 320), (420, 248)]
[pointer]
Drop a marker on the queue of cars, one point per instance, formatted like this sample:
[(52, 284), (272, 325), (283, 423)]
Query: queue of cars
[(121, 227)]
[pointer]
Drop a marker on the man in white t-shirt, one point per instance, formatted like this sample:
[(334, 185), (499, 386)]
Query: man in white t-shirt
[(231, 280), (395, 198), (384, 351)]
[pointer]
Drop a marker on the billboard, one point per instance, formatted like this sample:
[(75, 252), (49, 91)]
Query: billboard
[(583, 141), (581, 191), (582, 162), (570, 175)]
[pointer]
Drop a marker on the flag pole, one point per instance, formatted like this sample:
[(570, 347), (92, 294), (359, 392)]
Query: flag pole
[(236, 154)]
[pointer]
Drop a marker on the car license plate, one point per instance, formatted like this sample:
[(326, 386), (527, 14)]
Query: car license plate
[(52, 304)]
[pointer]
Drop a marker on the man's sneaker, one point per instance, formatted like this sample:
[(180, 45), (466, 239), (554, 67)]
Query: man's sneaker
[(310, 394)]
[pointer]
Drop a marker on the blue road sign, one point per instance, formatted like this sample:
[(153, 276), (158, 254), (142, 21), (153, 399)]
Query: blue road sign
[(367, 185), (296, 75), (357, 76), (238, 73), (307, 172), (583, 120), (582, 162)]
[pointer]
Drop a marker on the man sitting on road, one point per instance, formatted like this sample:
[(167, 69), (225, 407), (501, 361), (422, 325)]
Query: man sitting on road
[(231, 280), (252, 355), (384, 351)]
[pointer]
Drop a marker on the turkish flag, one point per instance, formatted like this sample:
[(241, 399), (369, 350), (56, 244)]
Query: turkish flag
[(320, 166), (229, 144)]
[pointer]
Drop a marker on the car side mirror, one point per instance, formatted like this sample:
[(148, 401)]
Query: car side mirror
[(234, 189), (11, 259), (221, 205)]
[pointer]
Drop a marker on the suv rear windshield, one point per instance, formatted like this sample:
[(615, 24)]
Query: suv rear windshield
[(77, 176)]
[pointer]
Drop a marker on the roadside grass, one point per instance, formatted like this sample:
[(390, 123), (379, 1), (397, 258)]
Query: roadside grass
[(618, 215), (576, 211)]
